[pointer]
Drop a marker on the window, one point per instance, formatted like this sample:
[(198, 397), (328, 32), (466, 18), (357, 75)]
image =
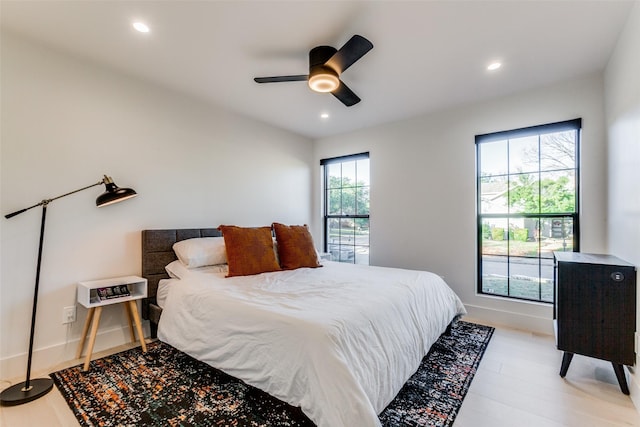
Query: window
[(346, 208), (527, 204)]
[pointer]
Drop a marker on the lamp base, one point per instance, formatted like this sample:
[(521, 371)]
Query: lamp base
[(15, 395)]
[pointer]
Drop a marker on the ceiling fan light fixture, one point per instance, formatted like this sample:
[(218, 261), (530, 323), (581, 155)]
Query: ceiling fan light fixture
[(324, 81), (326, 65)]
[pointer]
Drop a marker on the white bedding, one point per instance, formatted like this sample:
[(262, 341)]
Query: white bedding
[(164, 285), (338, 341)]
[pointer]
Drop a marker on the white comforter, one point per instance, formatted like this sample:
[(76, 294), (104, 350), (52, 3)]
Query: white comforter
[(338, 341)]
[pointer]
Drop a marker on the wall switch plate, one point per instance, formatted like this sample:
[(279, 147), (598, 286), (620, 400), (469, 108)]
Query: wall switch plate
[(69, 314)]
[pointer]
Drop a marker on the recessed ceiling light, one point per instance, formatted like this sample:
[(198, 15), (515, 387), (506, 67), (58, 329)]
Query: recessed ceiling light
[(324, 115), (494, 66), (141, 26)]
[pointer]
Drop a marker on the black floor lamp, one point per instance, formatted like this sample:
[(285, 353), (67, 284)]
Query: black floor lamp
[(32, 389)]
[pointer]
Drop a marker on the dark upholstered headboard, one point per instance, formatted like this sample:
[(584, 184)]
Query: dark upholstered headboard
[(157, 252)]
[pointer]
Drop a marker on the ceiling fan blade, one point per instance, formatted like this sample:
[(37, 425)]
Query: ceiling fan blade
[(354, 49), (278, 79), (346, 95)]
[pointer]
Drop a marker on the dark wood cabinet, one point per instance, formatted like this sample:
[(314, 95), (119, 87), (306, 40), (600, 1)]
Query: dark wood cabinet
[(595, 309)]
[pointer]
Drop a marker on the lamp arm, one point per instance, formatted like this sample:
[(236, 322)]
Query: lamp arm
[(45, 202), (74, 191), (11, 215)]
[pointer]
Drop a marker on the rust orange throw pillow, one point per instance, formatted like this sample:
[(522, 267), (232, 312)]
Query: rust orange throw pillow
[(295, 246), (249, 250)]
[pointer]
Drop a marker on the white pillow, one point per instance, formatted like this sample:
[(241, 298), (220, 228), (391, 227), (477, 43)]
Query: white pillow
[(201, 251), (177, 270)]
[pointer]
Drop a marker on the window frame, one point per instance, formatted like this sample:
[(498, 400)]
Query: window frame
[(325, 208), (538, 130)]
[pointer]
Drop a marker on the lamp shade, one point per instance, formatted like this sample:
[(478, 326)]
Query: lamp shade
[(113, 193)]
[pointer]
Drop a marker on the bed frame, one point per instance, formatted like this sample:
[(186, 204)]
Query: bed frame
[(157, 252)]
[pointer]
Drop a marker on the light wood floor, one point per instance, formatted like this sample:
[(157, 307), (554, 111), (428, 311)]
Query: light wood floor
[(517, 384)]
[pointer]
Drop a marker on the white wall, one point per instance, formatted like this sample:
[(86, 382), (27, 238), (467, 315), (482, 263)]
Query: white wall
[(423, 187), (622, 84), (65, 123)]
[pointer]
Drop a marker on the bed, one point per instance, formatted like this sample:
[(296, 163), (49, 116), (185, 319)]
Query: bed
[(337, 341)]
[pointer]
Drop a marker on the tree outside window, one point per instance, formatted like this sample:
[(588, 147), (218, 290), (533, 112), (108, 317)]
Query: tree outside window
[(527, 207), (346, 208)]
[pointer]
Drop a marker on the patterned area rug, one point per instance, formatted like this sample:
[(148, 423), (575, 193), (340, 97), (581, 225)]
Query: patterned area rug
[(165, 387)]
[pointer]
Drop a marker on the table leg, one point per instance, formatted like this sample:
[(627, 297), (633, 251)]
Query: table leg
[(92, 338), (622, 379), (136, 317), (127, 308), (566, 361), (85, 329)]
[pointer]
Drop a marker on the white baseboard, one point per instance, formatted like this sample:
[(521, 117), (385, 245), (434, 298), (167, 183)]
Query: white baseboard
[(44, 360), (541, 325)]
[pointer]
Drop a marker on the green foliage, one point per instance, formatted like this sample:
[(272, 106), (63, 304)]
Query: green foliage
[(486, 231), (521, 234), (497, 233), (557, 195), (347, 198), (542, 196)]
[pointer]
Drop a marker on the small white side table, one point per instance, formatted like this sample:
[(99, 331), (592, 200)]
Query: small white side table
[(88, 297)]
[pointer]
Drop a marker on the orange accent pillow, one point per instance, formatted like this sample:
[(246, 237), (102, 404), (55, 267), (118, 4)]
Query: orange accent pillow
[(249, 250), (295, 246)]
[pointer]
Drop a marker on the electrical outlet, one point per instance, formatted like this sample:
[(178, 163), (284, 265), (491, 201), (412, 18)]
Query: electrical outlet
[(69, 314)]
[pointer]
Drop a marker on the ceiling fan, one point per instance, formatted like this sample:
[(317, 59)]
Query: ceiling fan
[(325, 66)]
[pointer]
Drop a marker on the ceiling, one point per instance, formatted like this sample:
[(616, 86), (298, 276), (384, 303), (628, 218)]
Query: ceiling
[(427, 55)]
